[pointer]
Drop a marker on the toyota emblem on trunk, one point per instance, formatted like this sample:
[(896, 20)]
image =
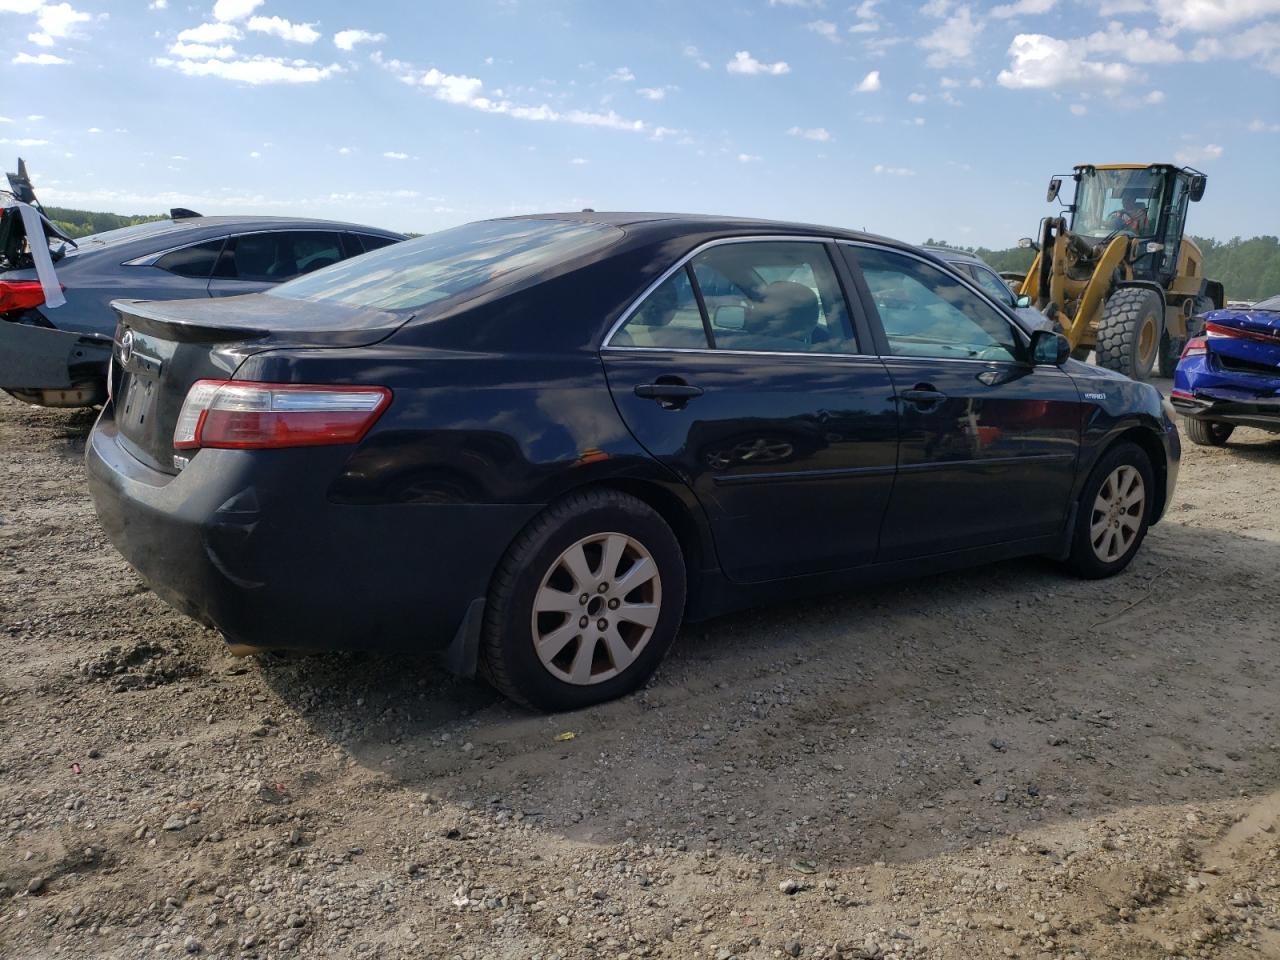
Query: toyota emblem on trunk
[(126, 348)]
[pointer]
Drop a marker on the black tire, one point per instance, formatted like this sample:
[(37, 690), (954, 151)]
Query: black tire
[(1084, 560), (509, 660), (1130, 331), (1195, 326), (1208, 433)]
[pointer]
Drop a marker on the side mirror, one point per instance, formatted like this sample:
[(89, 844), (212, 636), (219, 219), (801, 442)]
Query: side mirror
[(730, 318), (1051, 194), (1197, 187), (1022, 302), (1049, 348), (1026, 243)]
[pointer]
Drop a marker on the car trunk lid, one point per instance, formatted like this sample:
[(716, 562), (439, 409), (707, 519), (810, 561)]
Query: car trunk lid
[(161, 349)]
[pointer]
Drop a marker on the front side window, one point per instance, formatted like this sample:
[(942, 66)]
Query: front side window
[(196, 261), (668, 318), (779, 297), (993, 286), (926, 312)]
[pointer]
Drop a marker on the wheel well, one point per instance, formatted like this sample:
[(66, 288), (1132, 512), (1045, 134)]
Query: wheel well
[(677, 516), (1159, 466)]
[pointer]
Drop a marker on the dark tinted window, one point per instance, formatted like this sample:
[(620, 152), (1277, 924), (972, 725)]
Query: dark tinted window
[(668, 318), (196, 262), (279, 255), (491, 253), (373, 242)]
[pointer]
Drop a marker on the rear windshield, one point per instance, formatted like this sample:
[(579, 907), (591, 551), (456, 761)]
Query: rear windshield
[(414, 273), (138, 231)]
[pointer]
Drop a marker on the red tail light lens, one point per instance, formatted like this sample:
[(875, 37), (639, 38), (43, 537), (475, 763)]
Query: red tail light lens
[(242, 415), (1235, 333), (1196, 347), (20, 295)]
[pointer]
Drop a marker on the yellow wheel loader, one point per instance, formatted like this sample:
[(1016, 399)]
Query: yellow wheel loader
[(1118, 275)]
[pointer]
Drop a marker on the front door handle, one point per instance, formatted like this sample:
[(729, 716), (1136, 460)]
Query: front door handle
[(923, 395), (671, 396)]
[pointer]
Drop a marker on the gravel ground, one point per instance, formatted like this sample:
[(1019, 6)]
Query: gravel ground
[(1005, 762)]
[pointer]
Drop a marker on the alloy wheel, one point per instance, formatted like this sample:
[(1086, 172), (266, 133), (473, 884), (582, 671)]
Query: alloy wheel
[(596, 608), (1118, 512)]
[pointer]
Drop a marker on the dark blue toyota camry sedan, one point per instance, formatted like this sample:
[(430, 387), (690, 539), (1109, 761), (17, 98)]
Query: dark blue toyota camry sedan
[(544, 442)]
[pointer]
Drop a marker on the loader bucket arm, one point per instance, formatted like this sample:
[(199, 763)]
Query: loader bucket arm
[(1087, 310)]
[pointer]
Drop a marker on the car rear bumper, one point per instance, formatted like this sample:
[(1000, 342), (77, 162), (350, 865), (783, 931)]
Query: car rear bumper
[(37, 357), (1203, 405), (1201, 391), (247, 542)]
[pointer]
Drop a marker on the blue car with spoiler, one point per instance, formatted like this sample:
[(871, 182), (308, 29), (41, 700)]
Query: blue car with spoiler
[(1230, 376)]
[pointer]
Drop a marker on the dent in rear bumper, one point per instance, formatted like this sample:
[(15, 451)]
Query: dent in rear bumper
[(235, 544)]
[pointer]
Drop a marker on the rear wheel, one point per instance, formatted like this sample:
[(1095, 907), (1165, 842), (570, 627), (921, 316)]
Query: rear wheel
[(1129, 332), (1170, 353), (1115, 511), (585, 602), (1209, 433)]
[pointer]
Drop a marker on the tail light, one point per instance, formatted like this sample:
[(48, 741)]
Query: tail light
[(242, 415), (20, 294), (1235, 333), (1196, 347)]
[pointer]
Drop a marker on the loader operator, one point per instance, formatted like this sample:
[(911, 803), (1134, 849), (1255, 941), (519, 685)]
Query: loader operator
[(1132, 217)]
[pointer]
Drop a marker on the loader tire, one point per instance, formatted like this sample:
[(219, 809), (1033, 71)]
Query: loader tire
[(1129, 332), (1170, 353)]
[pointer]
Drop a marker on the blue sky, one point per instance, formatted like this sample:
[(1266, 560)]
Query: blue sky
[(937, 118)]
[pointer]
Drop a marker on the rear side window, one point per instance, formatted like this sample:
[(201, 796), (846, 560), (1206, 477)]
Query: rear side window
[(196, 262), (466, 259), (995, 288), (280, 255), (373, 242), (668, 318)]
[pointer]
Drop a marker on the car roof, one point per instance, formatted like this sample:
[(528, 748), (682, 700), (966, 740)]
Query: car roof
[(261, 221), (953, 255)]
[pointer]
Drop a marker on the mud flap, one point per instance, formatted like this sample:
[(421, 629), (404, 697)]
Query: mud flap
[(463, 655), (41, 358)]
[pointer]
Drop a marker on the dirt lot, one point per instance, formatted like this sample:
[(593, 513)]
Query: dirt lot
[(1000, 763)]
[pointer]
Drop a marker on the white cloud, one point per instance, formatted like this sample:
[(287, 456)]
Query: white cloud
[(1260, 42), (749, 158), (1210, 15), (254, 70), (578, 161), (1022, 8), (58, 20), (821, 134), (870, 83), (209, 33), (27, 142), (622, 75), (805, 4), (655, 93), (692, 53), (825, 28), (20, 6), (1079, 109), (469, 92), (39, 59), (916, 98), (6, 119), (228, 10), (347, 39), (893, 171), (1041, 62), (952, 41), (94, 130), (201, 51), (254, 155), (1136, 46), (395, 155), (1261, 126), (282, 28), (743, 62), (1210, 151), (344, 151), (1155, 96), (936, 8), (158, 5)]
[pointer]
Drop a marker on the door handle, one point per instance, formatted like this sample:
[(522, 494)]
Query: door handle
[(668, 394), (923, 395)]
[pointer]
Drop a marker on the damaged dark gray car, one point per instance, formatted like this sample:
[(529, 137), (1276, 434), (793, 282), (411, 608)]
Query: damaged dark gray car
[(55, 294)]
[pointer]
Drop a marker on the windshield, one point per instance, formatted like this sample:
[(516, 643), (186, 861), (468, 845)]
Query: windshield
[(1118, 201), (412, 274)]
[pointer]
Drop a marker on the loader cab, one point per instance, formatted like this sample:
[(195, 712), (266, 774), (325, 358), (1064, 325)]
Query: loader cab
[(1148, 203)]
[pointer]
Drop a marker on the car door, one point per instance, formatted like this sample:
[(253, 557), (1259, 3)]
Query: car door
[(743, 372), (988, 443), (252, 262)]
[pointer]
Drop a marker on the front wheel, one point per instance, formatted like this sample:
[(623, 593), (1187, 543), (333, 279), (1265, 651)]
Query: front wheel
[(1115, 511), (1129, 332), (1209, 433), (585, 602)]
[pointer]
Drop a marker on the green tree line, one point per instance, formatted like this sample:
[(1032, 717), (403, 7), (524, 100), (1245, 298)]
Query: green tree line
[(81, 223), (1248, 269)]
